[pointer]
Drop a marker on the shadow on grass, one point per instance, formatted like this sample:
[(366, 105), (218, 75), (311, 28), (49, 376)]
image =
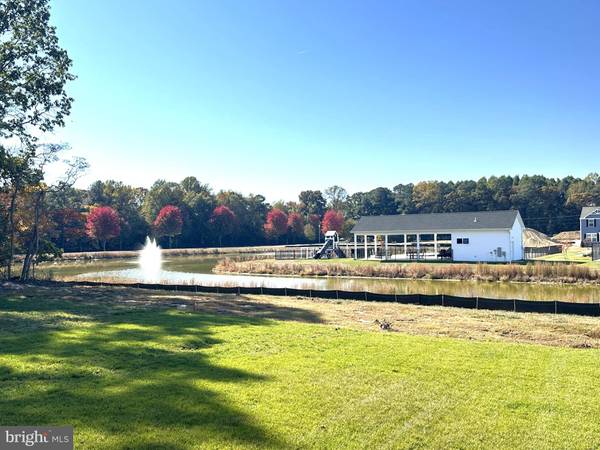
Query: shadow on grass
[(132, 376)]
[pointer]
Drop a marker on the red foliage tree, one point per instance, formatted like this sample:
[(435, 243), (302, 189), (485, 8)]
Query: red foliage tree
[(276, 224), (224, 221), (103, 224), (332, 221), (168, 222), (295, 224)]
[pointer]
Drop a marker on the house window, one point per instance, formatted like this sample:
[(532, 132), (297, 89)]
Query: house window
[(592, 237), (591, 223), (462, 240)]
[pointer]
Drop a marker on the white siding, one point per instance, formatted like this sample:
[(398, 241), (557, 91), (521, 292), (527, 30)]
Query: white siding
[(516, 236), (482, 245)]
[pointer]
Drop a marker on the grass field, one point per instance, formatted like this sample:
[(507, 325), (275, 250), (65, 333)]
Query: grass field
[(132, 369), (573, 254)]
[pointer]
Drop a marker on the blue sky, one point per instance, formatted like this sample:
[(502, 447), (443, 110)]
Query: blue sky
[(265, 96)]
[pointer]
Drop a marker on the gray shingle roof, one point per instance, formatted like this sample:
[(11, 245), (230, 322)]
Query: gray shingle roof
[(482, 220), (587, 210)]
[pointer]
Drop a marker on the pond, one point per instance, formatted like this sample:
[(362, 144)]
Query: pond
[(198, 270)]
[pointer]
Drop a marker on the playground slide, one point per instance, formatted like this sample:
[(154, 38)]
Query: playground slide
[(322, 251)]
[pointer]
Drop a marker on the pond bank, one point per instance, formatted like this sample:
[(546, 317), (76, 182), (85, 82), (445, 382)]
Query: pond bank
[(529, 273), (209, 251)]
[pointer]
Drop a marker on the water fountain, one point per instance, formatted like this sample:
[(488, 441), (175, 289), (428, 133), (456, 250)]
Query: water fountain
[(150, 261)]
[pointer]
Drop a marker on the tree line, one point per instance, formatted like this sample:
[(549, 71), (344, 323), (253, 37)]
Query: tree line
[(115, 216)]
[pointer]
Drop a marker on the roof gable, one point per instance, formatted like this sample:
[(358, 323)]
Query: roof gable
[(482, 220), (589, 210)]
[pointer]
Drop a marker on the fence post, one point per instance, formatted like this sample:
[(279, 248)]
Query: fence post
[(285, 289), (366, 296), (443, 303), (477, 302), (514, 305), (310, 293), (337, 294), (239, 291), (555, 307)]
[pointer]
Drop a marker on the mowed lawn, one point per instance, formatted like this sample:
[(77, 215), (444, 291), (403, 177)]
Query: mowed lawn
[(151, 376)]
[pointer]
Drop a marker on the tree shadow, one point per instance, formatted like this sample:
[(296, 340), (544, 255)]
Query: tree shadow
[(137, 375)]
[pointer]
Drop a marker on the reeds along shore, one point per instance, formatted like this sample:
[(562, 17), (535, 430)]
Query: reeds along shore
[(534, 272)]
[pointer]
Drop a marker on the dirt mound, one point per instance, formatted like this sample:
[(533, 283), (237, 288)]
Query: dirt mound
[(566, 236), (536, 239)]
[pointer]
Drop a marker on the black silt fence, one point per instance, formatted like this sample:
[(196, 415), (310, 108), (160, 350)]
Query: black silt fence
[(495, 304), (250, 290), (529, 306), (460, 302), (408, 298), (533, 306), (431, 300), (352, 295), (373, 297), (582, 309)]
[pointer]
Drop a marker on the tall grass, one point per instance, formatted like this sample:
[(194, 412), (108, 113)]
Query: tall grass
[(535, 272)]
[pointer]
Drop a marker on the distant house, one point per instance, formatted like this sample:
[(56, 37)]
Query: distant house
[(492, 236), (589, 225)]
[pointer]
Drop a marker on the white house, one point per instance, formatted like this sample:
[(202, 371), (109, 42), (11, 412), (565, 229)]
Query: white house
[(491, 236)]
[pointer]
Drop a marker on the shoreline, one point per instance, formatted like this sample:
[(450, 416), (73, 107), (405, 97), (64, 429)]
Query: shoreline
[(449, 280), (567, 275), (207, 251)]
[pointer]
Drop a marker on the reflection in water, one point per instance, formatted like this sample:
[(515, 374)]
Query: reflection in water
[(208, 279), (198, 270), (195, 270)]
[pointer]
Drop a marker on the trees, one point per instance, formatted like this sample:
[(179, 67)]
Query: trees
[(403, 197), (295, 225), (34, 70), (428, 197), (68, 228), (336, 197), (126, 201), (223, 221), (276, 224), (250, 212), (103, 224), (162, 193), (314, 222), (546, 204), (333, 221), (199, 203), (380, 201), (311, 202), (168, 223)]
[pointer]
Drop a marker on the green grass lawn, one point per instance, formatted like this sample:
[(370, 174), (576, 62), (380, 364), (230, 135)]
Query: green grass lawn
[(156, 377), (573, 254)]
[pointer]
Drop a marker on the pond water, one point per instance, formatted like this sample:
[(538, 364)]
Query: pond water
[(198, 270)]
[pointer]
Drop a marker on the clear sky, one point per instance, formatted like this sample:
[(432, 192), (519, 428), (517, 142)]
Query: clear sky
[(274, 97)]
